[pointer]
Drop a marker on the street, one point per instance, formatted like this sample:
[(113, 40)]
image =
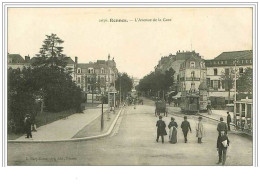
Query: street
[(132, 142)]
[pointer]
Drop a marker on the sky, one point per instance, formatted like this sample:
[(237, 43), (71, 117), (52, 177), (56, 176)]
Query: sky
[(136, 46)]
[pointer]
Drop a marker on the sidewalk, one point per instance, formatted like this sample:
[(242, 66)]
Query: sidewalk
[(65, 129), (216, 114)]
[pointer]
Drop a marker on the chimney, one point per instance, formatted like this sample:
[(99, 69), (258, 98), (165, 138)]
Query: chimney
[(76, 59), (27, 58)]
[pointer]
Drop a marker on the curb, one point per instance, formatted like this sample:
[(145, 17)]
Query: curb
[(74, 139)]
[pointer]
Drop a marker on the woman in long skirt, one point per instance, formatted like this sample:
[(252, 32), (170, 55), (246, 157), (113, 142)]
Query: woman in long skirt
[(173, 131)]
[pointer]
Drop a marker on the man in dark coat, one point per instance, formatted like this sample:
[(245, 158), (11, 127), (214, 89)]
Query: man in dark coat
[(222, 145), (222, 126), (228, 120), (161, 129), (185, 126), (27, 125)]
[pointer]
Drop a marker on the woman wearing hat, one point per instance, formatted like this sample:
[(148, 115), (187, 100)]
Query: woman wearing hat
[(173, 131), (200, 130)]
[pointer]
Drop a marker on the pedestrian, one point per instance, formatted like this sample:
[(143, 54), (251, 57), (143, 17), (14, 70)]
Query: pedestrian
[(200, 131), (185, 126), (161, 129), (222, 145), (222, 126), (27, 125), (209, 108), (228, 121), (173, 131)]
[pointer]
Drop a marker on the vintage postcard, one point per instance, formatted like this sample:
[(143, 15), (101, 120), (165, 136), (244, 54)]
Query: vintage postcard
[(130, 86)]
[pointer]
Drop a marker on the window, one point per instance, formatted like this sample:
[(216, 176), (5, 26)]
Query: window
[(211, 83), (226, 62), (208, 82), (241, 70), (246, 61), (215, 71), (192, 86), (242, 61), (192, 74), (223, 84), (102, 71), (78, 79), (215, 85), (79, 70), (192, 64), (227, 71), (222, 62), (91, 71)]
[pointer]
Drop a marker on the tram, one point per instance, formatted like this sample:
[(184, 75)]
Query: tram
[(190, 103), (193, 102)]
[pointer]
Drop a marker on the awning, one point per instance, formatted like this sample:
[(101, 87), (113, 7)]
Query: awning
[(178, 95), (170, 93)]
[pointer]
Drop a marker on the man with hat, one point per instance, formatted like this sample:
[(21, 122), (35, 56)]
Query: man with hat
[(185, 126), (222, 126), (27, 125), (228, 120), (161, 129)]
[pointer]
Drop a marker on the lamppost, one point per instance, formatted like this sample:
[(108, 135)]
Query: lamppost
[(102, 112), (120, 91), (235, 89)]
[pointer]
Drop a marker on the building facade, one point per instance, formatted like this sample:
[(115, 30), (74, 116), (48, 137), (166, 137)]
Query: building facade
[(15, 61), (189, 69), (96, 77), (226, 64)]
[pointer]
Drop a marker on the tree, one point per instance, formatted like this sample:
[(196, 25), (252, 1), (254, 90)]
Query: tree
[(124, 84), (245, 82), (51, 52), (157, 81), (228, 79)]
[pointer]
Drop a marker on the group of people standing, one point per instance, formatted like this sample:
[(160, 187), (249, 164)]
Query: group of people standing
[(222, 128), (185, 125)]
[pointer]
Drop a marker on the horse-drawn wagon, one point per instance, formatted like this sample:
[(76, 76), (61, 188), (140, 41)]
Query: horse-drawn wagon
[(160, 107)]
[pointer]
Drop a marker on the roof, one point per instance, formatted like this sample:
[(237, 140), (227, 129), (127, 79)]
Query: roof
[(15, 58), (246, 54), (91, 65), (68, 60), (176, 65)]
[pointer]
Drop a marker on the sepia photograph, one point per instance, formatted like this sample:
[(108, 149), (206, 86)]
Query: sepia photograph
[(130, 86)]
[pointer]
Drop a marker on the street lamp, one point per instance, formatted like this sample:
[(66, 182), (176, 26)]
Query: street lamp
[(235, 89), (102, 113)]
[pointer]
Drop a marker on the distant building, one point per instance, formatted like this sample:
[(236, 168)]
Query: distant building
[(15, 61), (189, 69), (192, 72), (225, 64), (135, 83), (96, 77)]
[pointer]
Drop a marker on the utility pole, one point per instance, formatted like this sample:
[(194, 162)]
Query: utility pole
[(102, 113), (120, 92), (235, 96)]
